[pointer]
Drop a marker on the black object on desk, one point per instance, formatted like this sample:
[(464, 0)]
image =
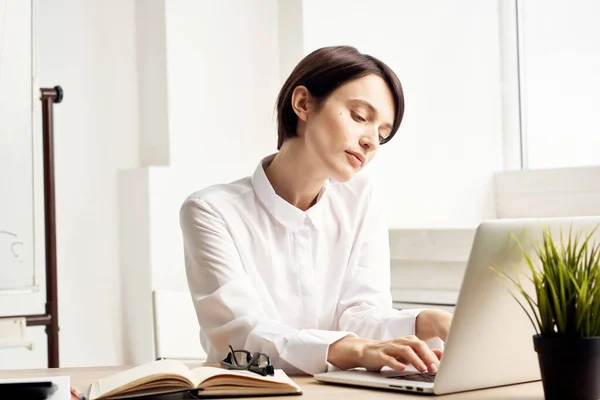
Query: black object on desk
[(27, 390)]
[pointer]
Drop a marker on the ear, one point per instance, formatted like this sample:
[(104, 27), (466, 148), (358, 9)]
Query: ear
[(301, 102)]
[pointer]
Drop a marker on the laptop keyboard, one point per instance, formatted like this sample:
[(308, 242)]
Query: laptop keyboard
[(415, 377)]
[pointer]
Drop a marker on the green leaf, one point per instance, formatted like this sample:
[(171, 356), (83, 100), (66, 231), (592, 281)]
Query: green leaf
[(566, 284)]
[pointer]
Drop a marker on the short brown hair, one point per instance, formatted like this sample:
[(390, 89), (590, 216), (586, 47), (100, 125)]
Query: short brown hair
[(324, 70)]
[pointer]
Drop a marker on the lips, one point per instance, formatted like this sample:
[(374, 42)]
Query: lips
[(358, 157)]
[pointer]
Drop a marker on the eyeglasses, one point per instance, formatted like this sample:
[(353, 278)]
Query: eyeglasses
[(259, 363)]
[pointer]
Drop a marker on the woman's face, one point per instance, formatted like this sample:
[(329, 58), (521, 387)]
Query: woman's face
[(344, 132)]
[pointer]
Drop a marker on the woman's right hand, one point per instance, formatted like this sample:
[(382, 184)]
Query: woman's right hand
[(351, 352)]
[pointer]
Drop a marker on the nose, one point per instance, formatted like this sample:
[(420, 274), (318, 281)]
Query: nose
[(369, 142)]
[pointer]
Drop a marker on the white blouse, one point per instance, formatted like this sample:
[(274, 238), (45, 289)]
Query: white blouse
[(266, 276)]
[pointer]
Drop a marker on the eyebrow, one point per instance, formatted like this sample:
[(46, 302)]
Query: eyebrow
[(373, 110)]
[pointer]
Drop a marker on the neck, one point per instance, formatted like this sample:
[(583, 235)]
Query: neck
[(294, 176)]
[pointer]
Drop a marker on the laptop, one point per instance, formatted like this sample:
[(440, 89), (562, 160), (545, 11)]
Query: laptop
[(490, 341)]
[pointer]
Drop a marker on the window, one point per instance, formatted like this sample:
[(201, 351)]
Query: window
[(559, 82)]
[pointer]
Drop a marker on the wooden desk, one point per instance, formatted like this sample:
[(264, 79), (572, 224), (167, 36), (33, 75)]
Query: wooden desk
[(82, 377)]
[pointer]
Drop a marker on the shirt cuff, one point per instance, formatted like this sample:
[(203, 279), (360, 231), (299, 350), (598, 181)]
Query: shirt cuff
[(308, 350), (405, 325), (436, 344), (401, 324)]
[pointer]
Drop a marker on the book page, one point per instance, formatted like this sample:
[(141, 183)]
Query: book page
[(209, 376), (200, 374), (141, 374)]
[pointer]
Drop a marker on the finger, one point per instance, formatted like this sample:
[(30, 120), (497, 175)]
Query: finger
[(438, 353), (429, 358), (405, 354), (427, 355), (393, 363)]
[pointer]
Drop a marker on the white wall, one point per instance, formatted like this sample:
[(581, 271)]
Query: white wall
[(89, 49), (223, 78), (291, 36), (438, 170), (152, 82)]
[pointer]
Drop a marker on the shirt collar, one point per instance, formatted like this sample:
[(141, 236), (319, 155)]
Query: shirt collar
[(290, 216)]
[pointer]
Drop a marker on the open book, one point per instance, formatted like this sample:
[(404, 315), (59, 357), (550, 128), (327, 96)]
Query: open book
[(166, 376)]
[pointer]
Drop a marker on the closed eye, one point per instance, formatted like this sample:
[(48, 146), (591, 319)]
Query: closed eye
[(357, 117)]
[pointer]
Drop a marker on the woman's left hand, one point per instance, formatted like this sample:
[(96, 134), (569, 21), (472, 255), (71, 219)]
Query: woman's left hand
[(433, 323)]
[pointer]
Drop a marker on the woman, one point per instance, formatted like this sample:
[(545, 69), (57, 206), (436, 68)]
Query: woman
[(294, 260)]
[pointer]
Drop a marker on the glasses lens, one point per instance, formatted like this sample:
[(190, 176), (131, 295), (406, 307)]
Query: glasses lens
[(242, 357), (262, 361)]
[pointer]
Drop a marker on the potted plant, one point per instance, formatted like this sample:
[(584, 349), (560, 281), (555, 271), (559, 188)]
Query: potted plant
[(564, 308)]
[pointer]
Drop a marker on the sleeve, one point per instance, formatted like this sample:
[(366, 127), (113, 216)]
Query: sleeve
[(365, 306), (228, 307)]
